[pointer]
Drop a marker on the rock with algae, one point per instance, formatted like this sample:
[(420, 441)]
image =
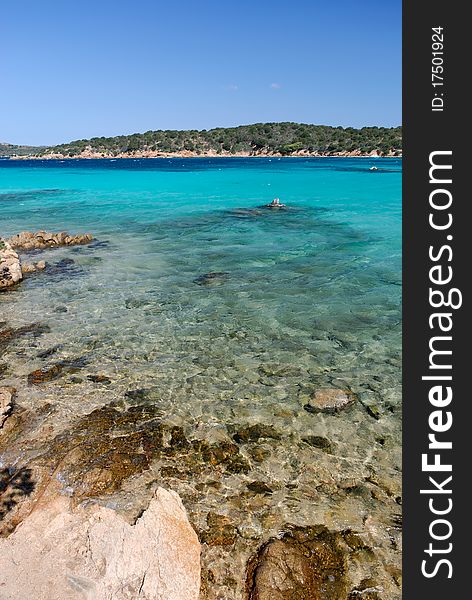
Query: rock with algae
[(221, 531), (97, 453), (306, 563), (8, 335), (54, 371), (106, 447)]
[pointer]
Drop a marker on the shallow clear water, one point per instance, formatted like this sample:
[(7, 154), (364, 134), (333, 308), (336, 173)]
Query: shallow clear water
[(306, 297)]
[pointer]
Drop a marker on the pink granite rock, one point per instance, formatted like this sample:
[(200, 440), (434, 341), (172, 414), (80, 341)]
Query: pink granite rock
[(10, 267), (91, 552)]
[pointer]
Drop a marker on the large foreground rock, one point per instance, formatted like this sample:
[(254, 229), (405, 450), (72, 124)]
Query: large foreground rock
[(92, 553), (10, 267)]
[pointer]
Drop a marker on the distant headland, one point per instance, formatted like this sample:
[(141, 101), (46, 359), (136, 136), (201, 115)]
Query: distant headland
[(261, 139)]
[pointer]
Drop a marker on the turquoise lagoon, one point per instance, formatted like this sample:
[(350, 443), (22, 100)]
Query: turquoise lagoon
[(304, 298)]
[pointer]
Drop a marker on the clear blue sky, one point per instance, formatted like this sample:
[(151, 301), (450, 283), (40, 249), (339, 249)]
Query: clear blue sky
[(72, 70)]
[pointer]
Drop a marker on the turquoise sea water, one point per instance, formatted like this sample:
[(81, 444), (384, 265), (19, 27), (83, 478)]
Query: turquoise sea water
[(303, 298), (335, 253)]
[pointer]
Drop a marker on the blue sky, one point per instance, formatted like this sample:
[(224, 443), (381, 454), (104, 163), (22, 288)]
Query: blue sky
[(72, 70)]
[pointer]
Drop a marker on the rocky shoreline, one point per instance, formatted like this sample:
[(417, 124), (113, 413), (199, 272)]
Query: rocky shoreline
[(88, 154), (12, 268)]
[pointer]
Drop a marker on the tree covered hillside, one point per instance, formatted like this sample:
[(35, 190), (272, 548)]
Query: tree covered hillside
[(261, 138)]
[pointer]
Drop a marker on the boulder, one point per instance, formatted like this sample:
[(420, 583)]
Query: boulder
[(28, 268), (10, 267), (91, 552), (33, 267)]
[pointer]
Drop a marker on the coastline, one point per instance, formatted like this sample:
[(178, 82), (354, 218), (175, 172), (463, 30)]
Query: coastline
[(140, 154)]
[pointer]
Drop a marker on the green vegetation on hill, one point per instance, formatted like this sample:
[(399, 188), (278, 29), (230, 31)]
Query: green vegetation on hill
[(261, 138)]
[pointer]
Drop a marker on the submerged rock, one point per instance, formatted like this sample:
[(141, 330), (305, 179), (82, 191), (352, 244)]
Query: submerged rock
[(46, 374), (319, 442), (111, 444), (254, 433), (221, 531), (10, 266), (49, 351), (61, 309), (63, 266), (92, 552), (28, 240), (106, 447), (213, 278), (11, 334), (244, 213), (306, 563), (259, 487), (275, 370), (139, 394), (330, 400), (96, 454), (225, 454), (259, 453), (99, 379)]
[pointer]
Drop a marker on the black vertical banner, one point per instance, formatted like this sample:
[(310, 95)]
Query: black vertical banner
[(437, 357)]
